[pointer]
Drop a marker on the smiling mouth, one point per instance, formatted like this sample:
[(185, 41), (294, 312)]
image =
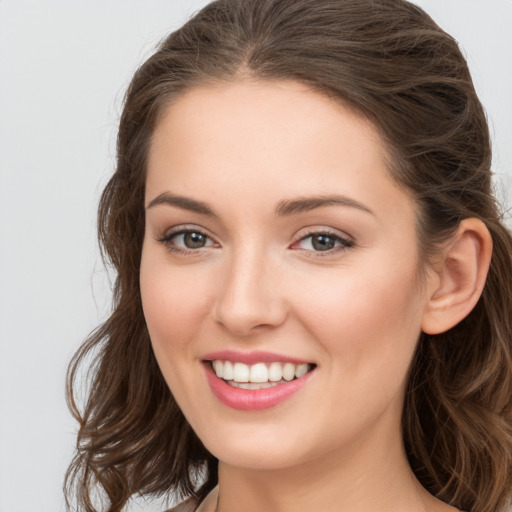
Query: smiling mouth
[(259, 375)]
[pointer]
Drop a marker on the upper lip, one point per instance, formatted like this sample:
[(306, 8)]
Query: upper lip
[(252, 357)]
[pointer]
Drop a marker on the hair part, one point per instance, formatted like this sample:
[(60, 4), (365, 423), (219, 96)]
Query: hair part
[(390, 62)]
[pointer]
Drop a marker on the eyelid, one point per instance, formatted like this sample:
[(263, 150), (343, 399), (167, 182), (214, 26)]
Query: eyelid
[(182, 229), (345, 241)]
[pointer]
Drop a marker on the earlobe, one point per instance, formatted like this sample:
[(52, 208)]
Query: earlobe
[(460, 278)]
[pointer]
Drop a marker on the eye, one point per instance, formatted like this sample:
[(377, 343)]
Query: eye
[(191, 239), (323, 242), (186, 240)]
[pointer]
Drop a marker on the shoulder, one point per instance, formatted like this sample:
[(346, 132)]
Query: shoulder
[(189, 505), (208, 505)]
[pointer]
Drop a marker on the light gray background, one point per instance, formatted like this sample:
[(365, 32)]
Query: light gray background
[(63, 70)]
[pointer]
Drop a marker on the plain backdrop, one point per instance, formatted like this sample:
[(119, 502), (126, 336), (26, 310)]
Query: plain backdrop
[(64, 67)]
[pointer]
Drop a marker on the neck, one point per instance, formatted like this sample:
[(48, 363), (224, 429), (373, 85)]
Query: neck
[(366, 479)]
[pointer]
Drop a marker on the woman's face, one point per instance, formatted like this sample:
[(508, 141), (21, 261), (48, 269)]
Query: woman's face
[(276, 243)]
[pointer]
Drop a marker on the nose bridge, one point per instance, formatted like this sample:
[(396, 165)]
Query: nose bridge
[(249, 295)]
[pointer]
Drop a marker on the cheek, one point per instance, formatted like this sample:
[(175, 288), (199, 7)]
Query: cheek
[(174, 301), (365, 319), (174, 304)]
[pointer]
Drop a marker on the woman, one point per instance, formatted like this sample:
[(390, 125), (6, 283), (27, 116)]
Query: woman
[(313, 302)]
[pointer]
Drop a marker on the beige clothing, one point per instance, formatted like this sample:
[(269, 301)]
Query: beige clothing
[(208, 505)]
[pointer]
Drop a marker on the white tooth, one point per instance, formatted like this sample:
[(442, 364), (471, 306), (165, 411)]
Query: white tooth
[(240, 372), (259, 373), (300, 370), (253, 385), (275, 372), (218, 367), (289, 371), (228, 370)]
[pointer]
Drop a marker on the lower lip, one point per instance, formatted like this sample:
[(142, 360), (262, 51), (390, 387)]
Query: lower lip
[(253, 399)]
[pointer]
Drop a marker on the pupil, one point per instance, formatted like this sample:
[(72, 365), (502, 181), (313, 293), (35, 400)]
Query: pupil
[(323, 242), (194, 240)]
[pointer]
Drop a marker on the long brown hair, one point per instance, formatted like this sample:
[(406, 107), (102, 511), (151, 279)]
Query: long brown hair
[(390, 62)]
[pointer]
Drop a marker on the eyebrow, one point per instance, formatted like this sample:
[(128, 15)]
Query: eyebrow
[(185, 203), (284, 208), (306, 204)]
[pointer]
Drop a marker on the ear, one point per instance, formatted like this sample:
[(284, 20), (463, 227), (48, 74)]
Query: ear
[(457, 283)]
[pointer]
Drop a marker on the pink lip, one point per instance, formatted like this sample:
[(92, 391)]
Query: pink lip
[(251, 357), (252, 399)]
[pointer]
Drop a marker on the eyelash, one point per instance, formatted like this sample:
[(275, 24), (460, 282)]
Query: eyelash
[(344, 243), (168, 238)]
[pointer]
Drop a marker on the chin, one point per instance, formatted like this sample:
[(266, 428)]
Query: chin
[(259, 446), (253, 449), (255, 457)]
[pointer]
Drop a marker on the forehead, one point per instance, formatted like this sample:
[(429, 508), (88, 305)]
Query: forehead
[(258, 115), (264, 141)]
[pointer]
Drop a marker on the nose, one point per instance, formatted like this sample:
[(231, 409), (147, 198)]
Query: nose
[(250, 297)]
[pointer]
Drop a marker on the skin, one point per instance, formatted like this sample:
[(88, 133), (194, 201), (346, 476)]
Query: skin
[(356, 311)]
